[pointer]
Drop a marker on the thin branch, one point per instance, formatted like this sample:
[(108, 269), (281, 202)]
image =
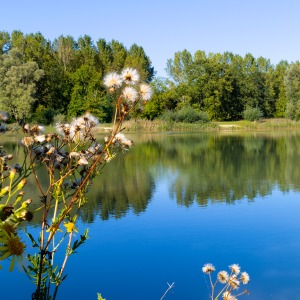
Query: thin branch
[(168, 289), (67, 255)]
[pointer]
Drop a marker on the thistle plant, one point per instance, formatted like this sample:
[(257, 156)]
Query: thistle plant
[(230, 282), (72, 157)]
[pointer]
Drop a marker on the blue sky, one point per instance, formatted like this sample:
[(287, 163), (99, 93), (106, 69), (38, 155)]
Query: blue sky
[(261, 27)]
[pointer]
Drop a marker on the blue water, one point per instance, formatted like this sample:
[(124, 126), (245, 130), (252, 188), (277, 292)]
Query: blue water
[(135, 257)]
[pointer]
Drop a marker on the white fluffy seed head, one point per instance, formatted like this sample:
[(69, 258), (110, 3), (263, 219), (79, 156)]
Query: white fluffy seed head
[(112, 80), (130, 94), (130, 76), (145, 91)]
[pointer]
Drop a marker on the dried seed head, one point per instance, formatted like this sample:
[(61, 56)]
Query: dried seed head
[(52, 150), (245, 278), (28, 216), (228, 296), (208, 268), (83, 161), (235, 268), (27, 141), (40, 129), (233, 282), (26, 128), (223, 276), (40, 138), (74, 154)]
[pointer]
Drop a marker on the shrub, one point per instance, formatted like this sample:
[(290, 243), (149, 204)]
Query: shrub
[(186, 115), (43, 115), (169, 116), (252, 114)]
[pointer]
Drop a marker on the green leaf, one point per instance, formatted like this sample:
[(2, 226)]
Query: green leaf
[(34, 243), (78, 243)]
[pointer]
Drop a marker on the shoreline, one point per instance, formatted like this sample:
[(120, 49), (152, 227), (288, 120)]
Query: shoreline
[(162, 126)]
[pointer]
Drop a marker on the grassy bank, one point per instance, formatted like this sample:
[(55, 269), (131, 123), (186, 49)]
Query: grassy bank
[(158, 125), (162, 126)]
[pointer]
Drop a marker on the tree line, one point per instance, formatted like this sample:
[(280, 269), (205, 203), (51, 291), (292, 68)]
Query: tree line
[(42, 79), (226, 85)]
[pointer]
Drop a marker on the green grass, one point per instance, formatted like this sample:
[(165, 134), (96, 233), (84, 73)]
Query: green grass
[(158, 125), (140, 125)]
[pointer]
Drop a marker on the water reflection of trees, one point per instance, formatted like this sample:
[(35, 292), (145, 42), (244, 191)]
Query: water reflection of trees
[(125, 184), (219, 168), (204, 167)]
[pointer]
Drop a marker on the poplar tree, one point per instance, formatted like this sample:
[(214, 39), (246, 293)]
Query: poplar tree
[(292, 86), (18, 84)]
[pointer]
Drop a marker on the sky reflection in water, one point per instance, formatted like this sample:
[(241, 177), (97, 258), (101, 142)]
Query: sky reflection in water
[(169, 236)]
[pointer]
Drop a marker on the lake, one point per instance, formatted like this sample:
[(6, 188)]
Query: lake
[(177, 201)]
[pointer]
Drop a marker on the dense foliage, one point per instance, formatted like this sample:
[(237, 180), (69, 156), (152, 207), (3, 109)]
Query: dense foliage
[(42, 79), (227, 85)]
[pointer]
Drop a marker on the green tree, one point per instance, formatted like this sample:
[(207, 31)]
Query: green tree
[(137, 58), (4, 42), (86, 84), (53, 85), (250, 90), (119, 54), (279, 89), (18, 84), (18, 41), (87, 51), (154, 108), (65, 48), (211, 82), (178, 67), (105, 56), (292, 86)]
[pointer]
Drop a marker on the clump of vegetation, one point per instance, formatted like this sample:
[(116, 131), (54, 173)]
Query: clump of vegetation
[(186, 115), (43, 115), (252, 114)]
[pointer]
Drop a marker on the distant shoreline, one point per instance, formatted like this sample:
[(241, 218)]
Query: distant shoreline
[(160, 126)]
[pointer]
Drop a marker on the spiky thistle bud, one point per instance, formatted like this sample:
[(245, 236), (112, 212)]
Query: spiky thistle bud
[(4, 191), (12, 174), (21, 184)]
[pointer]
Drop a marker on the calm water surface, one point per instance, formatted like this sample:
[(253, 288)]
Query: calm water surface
[(178, 201)]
